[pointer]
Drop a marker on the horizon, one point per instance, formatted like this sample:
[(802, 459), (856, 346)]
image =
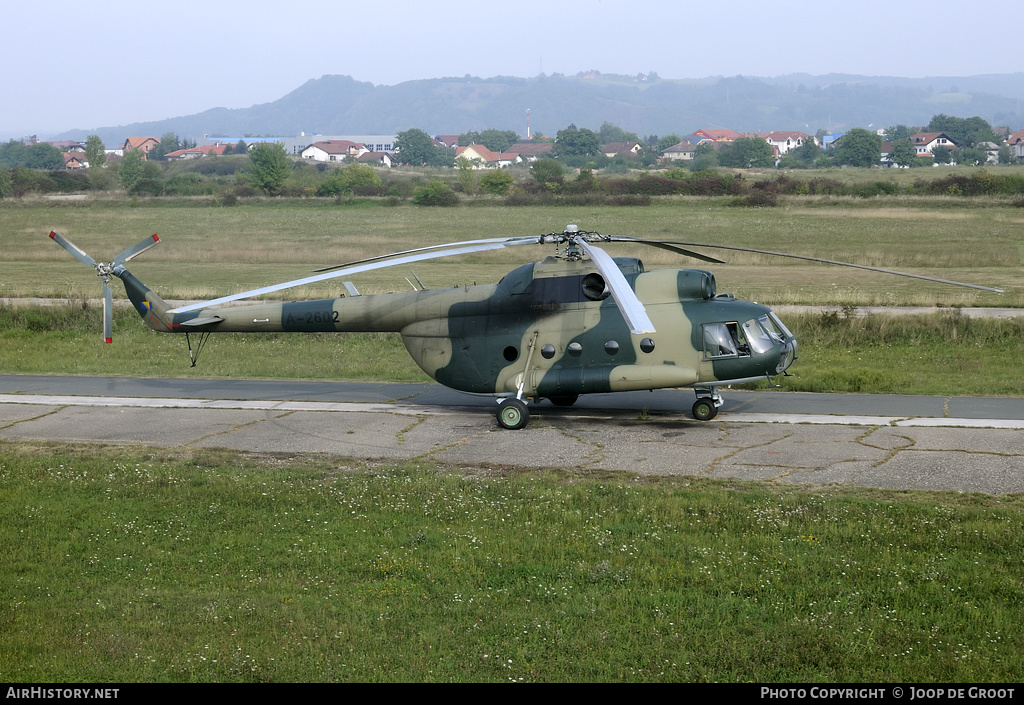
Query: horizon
[(190, 57)]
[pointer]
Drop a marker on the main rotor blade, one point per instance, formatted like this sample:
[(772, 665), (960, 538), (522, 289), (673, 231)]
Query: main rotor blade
[(629, 305), (836, 262), (666, 245), (72, 248), (136, 250), (504, 241), (108, 315), (365, 266)]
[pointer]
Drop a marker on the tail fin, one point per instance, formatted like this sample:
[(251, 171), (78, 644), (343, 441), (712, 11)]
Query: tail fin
[(147, 304)]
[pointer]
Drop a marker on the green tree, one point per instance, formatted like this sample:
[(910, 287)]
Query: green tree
[(130, 171), (965, 132), (903, 153), (803, 157), (747, 153), (613, 133), (705, 156), (6, 182), (268, 167), (577, 146), (971, 156), (859, 147), (666, 142), (95, 152), (498, 140), (942, 155), (898, 132), (466, 175), (416, 148)]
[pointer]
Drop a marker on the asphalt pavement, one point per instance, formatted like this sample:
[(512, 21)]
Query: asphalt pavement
[(964, 444)]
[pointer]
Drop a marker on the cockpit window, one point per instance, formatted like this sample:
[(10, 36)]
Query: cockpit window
[(759, 338)]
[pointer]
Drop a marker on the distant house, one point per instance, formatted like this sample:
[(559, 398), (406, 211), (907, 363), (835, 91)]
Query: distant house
[(333, 150), (449, 141), (925, 142), (484, 158), (782, 141), (196, 152), (1016, 144), (376, 159), (683, 151), (629, 149), (723, 135), (992, 150), (531, 151), (75, 160), (142, 144)]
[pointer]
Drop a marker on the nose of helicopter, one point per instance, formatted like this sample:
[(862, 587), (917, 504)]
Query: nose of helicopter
[(787, 346)]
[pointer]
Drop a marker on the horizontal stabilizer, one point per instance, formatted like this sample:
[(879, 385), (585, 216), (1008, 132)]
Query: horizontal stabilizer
[(204, 321)]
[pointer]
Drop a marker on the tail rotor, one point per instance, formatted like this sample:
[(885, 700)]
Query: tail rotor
[(105, 270)]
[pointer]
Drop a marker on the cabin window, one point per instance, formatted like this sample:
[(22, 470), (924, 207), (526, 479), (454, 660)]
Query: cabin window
[(611, 347), (647, 345), (511, 353), (728, 339), (575, 349), (548, 351)]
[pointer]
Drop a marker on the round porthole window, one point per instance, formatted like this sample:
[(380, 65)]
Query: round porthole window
[(611, 347), (647, 345), (511, 353), (575, 349), (548, 351)]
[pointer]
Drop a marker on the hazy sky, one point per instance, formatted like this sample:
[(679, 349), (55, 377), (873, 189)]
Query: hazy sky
[(112, 62)]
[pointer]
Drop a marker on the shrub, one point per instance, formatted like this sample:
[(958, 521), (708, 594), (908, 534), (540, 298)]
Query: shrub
[(496, 183), (147, 187), (189, 184), (435, 193)]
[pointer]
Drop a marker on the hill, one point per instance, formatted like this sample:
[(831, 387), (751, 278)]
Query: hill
[(646, 105)]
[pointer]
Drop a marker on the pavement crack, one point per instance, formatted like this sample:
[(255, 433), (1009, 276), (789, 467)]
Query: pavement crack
[(400, 436), (51, 412), (236, 427)]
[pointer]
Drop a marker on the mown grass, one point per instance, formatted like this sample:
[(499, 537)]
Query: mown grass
[(139, 566), (211, 251)]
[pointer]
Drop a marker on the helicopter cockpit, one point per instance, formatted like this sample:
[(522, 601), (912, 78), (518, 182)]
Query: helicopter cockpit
[(754, 337)]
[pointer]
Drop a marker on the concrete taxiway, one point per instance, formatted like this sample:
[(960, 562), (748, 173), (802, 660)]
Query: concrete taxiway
[(967, 444)]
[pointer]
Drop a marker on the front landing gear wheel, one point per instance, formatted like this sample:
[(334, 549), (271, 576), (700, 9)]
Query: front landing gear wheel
[(513, 414), (704, 410)]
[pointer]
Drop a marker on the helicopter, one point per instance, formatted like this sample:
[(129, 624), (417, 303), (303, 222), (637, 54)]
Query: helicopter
[(577, 322)]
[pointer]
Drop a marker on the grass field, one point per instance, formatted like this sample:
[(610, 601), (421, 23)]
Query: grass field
[(128, 565), (209, 250), (143, 566)]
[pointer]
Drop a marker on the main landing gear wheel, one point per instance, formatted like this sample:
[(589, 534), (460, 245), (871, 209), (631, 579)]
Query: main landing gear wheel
[(513, 414), (564, 399), (704, 410)]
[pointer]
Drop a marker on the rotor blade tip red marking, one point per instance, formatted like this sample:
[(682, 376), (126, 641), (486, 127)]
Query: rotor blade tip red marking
[(108, 340)]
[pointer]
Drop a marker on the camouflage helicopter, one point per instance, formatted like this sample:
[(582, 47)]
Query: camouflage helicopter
[(577, 322)]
